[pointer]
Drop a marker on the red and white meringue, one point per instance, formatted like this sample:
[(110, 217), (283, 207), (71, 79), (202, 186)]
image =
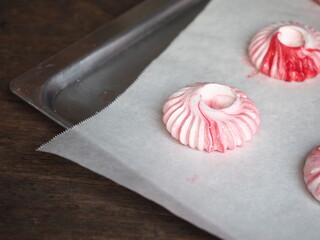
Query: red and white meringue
[(211, 117), (311, 172), (287, 50)]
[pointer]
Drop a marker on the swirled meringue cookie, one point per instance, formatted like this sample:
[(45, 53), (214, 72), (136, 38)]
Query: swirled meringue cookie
[(287, 51), (211, 117), (311, 172)]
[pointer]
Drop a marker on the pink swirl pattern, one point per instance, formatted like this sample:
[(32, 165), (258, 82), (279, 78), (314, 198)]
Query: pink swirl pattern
[(212, 117), (287, 51), (311, 172)]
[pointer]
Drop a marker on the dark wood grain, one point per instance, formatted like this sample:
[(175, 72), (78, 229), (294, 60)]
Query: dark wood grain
[(43, 196)]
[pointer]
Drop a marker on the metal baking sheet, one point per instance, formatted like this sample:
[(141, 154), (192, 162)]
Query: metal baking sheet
[(88, 75)]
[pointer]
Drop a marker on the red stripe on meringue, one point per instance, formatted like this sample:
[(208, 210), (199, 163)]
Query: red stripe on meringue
[(292, 63)]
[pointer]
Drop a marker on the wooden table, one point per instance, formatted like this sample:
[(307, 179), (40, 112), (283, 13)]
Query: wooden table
[(43, 196)]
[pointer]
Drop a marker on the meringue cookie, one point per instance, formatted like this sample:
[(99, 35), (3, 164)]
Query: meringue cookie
[(311, 172), (210, 116), (287, 51)]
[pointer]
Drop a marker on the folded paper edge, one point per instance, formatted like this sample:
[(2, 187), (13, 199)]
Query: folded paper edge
[(142, 186)]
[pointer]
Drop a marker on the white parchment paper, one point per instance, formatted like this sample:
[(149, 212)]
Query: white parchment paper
[(253, 192)]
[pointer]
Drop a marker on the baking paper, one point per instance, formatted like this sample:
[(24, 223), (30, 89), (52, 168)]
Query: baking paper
[(253, 192)]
